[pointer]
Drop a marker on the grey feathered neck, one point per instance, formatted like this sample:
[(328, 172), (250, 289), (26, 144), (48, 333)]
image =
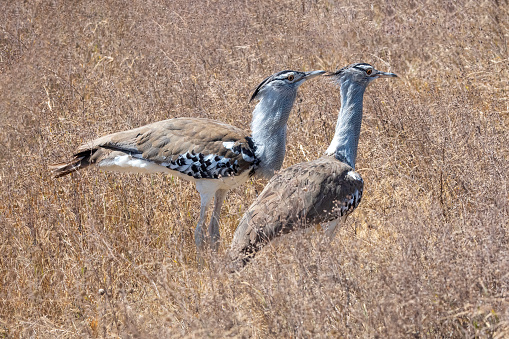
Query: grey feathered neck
[(268, 126), (346, 138)]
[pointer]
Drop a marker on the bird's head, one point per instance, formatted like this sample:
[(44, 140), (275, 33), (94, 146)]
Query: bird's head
[(283, 82), (359, 73)]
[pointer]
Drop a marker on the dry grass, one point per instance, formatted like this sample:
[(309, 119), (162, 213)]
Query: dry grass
[(425, 255)]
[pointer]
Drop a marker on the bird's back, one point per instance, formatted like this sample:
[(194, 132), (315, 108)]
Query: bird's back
[(200, 148), (300, 196)]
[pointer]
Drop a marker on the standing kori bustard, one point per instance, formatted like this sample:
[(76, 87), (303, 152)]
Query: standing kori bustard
[(315, 192), (214, 155)]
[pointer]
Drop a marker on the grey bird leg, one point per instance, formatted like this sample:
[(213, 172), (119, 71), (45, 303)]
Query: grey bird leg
[(331, 227), (214, 219), (199, 233)]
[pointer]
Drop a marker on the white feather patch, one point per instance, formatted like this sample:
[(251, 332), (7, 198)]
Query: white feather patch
[(228, 144), (127, 163), (354, 175)]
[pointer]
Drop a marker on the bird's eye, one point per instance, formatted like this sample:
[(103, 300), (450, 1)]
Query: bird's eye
[(290, 77), (369, 71)]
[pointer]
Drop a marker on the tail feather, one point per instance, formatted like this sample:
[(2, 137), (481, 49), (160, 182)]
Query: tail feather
[(81, 160)]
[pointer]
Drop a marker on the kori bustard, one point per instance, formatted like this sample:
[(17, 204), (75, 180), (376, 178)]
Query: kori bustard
[(315, 192), (214, 155)]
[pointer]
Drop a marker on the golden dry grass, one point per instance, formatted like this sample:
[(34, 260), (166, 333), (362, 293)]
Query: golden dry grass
[(425, 255)]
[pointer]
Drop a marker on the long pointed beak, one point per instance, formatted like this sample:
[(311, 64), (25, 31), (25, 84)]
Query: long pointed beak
[(312, 74), (386, 75)]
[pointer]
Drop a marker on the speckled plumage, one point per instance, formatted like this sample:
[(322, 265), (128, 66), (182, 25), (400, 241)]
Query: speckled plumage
[(300, 196)]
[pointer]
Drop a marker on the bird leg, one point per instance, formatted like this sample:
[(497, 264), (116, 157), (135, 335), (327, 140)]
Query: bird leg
[(330, 228), (199, 233), (214, 219)]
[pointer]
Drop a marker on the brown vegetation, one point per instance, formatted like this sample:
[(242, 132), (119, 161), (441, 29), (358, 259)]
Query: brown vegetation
[(104, 254)]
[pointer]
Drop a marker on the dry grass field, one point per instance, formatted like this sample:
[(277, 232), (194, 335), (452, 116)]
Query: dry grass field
[(426, 254)]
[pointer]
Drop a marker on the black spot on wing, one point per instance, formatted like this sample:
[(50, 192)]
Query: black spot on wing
[(248, 152), (251, 143), (203, 166), (237, 149), (209, 166)]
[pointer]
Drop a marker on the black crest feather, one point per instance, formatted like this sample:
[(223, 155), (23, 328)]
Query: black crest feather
[(266, 81)]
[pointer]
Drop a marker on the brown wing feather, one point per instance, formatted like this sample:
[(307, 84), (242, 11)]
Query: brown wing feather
[(173, 137), (300, 196), (166, 140)]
